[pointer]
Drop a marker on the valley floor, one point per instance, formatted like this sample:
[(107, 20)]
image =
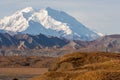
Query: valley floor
[(20, 73), (22, 67)]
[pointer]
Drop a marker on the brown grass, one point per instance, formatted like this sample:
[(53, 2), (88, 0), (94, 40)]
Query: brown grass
[(85, 66), (100, 75), (77, 60)]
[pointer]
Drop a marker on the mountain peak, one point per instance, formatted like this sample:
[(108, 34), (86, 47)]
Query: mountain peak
[(48, 22), (27, 9)]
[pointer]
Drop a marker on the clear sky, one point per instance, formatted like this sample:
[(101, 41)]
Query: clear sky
[(98, 15)]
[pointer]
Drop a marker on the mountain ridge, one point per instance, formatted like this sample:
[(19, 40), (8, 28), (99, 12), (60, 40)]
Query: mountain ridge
[(27, 41), (41, 44)]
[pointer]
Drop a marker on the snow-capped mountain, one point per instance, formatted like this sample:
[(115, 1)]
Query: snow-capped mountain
[(48, 22)]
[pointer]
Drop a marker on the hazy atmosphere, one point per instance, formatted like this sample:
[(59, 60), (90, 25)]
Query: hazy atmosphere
[(98, 15)]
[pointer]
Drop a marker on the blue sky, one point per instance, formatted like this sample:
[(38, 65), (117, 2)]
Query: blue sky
[(99, 15)]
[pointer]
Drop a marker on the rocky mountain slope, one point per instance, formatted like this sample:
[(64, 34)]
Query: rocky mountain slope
[(108, 43), (26, 41)]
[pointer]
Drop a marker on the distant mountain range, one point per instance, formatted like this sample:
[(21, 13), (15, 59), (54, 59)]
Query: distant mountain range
[(108, 43), (51, 31), (48, 22)]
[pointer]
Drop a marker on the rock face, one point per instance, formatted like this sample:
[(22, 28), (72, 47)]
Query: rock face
[(7, 40), (48, 22)]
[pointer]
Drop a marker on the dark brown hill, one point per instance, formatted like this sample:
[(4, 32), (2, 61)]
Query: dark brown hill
[(26, 61)]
